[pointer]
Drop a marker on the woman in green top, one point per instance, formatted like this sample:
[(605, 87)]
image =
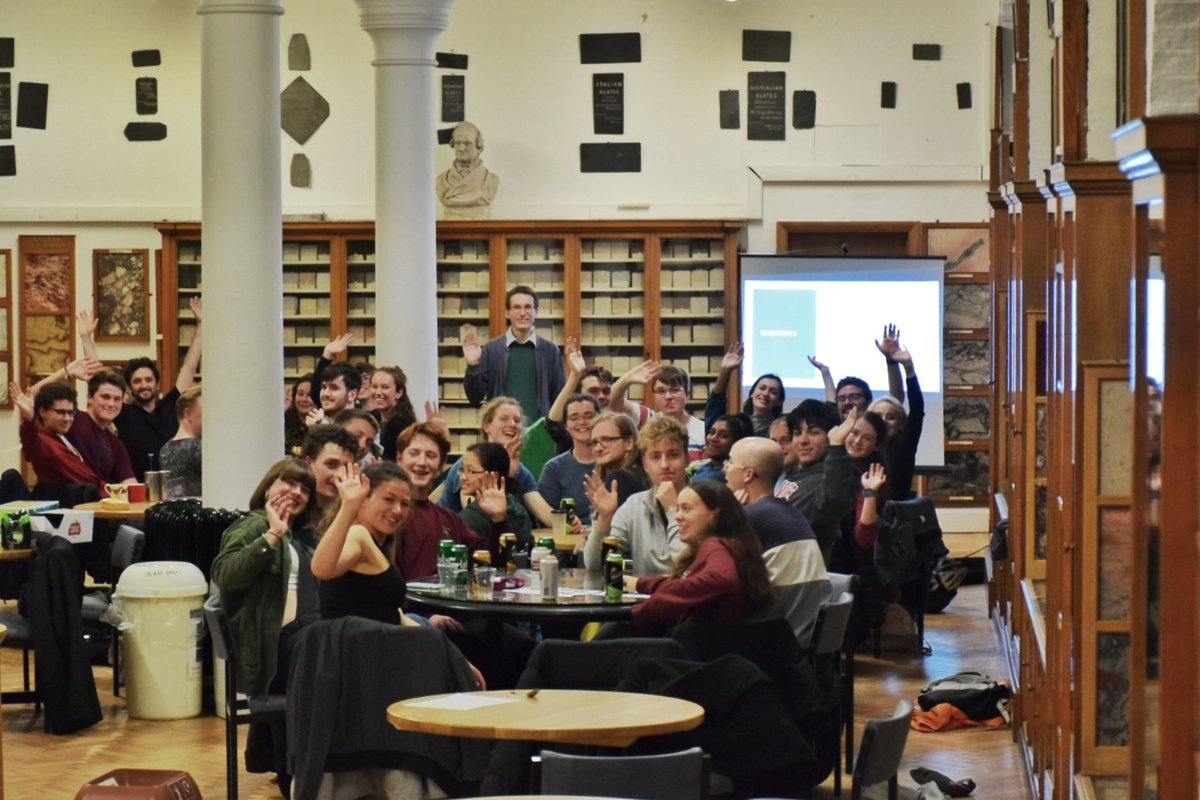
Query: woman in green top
[(266, 587), (483, 475)]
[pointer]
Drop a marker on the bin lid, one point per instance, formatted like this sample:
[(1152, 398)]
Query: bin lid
[(162, 579)]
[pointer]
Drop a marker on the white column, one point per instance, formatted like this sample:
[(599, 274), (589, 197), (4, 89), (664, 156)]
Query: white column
[(404, 33), (242, 230)]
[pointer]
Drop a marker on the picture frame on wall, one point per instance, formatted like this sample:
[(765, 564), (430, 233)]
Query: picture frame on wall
[(966, 248), (5, 327), (46, 317), (121, 280)]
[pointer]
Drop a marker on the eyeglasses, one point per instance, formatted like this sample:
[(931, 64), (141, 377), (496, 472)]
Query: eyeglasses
[(851, 398), (728, 465), (472, 471), (606, 440), (663, 391), (62, 412)]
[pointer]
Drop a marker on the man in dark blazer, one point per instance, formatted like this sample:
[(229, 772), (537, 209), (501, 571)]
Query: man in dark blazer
[(519, 364)]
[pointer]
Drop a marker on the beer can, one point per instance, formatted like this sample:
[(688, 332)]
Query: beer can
[(549, 578), (608, 546), (546, 542), (508, 549), (614, 577), (537, 555), (482, 557), (444, 550), (567, 506), (458, 557)]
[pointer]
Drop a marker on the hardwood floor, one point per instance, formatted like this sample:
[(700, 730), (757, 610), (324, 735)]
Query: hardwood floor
[(39, 765)]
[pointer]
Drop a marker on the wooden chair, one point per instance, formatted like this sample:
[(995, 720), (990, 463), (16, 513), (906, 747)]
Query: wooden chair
[(828, 643), (268, 708), (881, 751), (670, 776)]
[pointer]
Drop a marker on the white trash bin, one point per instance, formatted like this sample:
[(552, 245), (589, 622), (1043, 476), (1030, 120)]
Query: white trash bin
[(162, 602)]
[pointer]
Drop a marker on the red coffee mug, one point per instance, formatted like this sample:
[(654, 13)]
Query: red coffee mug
[(137, 493)]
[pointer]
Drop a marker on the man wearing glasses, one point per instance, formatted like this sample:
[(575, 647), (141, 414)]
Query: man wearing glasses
[(852, 393), (670, 386), (45, 420)]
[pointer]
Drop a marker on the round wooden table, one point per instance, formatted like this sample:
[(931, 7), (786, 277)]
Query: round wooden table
[(135, 510), (609, 719)]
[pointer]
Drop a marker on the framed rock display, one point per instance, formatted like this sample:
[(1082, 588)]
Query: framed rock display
[(47, 312), (5, 326), (122, 295)]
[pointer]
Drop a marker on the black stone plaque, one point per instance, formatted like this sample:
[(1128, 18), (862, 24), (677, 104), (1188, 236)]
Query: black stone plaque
[(964, 94), (766, 101), (766, 45), (730, 109), (452, 60), (31, 105), (608, 102), (7, 53), (444, 135), (146, 90), (610, 48), (454, 98), (301, 171), (145, 131), (299, 56), (8, 161), (146, 58), (927, 52), (804, 109), (610, 157), (5, 105), (887, 94)]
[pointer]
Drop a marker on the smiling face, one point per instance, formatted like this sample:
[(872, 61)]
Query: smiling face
[(522, 313), (862, 440), (579, 422), (765, 396), (302, 400), (609, 447), (335, 396), (364, 434), (386, 508), (143, 386), (383, 391), (326, 467), (695, 520), (719, 440), (810, 444), (105, 404), (58, 417), (422, 460), (297, 493), (782, 436), (891, 417), (665, 461), (505, 425), (851, 396), (471, 473)]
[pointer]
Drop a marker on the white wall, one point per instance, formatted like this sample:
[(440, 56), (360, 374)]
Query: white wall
[(526, 89)]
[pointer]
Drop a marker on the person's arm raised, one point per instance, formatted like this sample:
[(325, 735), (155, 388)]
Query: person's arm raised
[(576, 365), (85, 324), (191, 360), (826, 378), (643, 373), (333, 558)]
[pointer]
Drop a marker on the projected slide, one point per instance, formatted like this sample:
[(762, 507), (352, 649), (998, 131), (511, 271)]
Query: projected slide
[(835, 308)]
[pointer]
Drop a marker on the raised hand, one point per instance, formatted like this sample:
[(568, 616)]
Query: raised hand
[(279, 515), (84, 368), (433, 415), (513, 446), (352, 485), (575, 363), (838, 435), (197, 309), (902, 356), (733, 357), (23, 401), (666, 496), (314, 417), (472, 350), (603, 499), (338, 345), (85, 324), (890, 343), (819, 365), (491, 497), (874, 478), (644, 372)]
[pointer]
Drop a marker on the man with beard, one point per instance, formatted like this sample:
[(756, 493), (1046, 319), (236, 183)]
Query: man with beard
[(149, 421)]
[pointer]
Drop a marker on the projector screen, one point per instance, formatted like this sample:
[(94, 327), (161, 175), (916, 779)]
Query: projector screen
[(835, 307)]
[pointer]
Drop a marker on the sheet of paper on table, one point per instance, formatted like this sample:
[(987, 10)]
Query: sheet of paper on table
[(423, 585), (463, 702), (563, 591)]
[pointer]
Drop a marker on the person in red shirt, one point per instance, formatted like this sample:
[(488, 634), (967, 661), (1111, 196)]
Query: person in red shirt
[(45, 420), (92, 432), (719, 577)]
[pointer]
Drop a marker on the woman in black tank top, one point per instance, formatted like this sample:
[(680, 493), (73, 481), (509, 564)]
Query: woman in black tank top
[(357, 576)]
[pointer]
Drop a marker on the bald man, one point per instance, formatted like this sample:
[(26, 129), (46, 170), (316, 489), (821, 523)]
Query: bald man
[(789, 545)]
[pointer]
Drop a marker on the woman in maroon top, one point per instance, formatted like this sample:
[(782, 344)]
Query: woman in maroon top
[(719, 577)]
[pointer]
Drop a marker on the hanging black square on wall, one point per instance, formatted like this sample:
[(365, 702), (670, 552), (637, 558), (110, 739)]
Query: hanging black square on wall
[(766, 45), (730, 109), (766, 102), (610, 48), (610, 157), (454, 98)]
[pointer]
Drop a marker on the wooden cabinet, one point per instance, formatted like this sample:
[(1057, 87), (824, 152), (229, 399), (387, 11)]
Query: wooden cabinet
[(626, 290)]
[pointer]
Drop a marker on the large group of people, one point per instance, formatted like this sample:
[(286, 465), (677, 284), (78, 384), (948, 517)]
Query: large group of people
[(722, 518)]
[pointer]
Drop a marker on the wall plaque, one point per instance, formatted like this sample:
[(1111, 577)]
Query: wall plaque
[(8, 161), (804, 109), (609, 48), (765, 103), (7, 60), (454, 98), (608, 102), (146, 92), (766, 45), (146, 58), (730, 109), (610, 157), (5, 105), (31, 105)]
